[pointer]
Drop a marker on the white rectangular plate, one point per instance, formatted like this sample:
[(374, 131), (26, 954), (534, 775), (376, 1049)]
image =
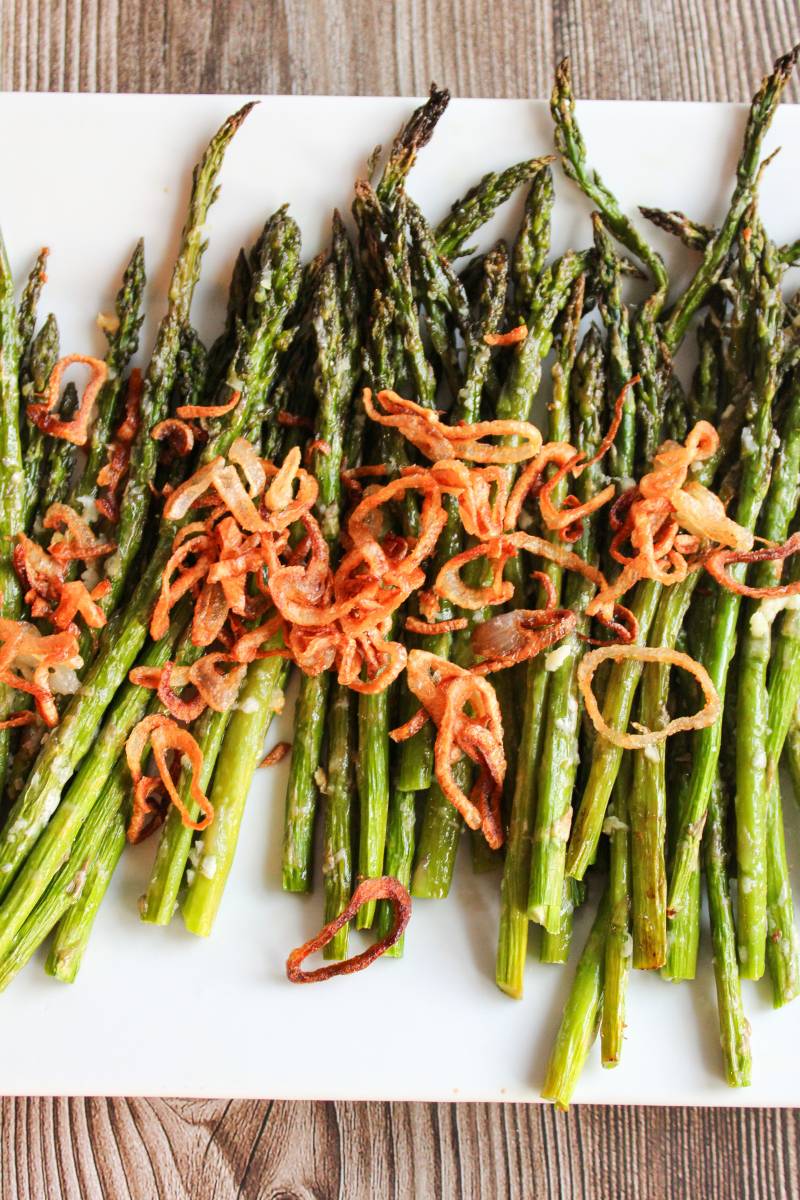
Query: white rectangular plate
[(156, 1011)]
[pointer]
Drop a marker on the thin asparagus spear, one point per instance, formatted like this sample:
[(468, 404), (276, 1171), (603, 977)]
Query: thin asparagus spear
[(783, 952), (123, 341), (240, 754), (333, 386), (762, 110), (477, 205), (339, 816), (42, 357), (756, 454), (753, 709), (67, 885), (557, 766), (123, 638), (734, 1028), (12, 477), (337, 862), (29, 303), (532, 243), (693, 234), (412, 138), (441, 824), (618, 943), (581, 1018)]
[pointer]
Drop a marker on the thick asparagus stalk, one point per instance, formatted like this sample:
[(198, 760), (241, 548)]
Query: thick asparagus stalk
[(618, 943), (756, 454), (12, 477), (441, 824), (558, 765), (581, 1018), (734, 1029), (333, 386), (753, 709), (240, 754)]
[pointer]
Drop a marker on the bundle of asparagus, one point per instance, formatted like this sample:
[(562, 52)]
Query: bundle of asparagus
[(348, 482)]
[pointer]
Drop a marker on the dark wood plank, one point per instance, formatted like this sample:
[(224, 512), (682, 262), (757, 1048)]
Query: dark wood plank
[(655, 49), (192, 1150)]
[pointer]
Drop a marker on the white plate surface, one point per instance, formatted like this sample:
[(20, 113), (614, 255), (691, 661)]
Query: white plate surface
[(156, 1011)]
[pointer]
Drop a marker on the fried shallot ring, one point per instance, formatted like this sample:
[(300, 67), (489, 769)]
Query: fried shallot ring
[(385, 888), (717, 562), (646, 654), (45, 418)]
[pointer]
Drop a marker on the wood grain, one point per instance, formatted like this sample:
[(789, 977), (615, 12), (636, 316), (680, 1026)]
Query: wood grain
[(192, 1150), (654, 49), (639, 49)]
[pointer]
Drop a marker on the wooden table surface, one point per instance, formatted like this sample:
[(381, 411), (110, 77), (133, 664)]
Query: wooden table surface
[(626, 49)]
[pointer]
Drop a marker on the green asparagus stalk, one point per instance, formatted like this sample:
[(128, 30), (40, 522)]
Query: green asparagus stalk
[(753, 711), (581, 1019), (441, 824), (756, 454), (618, 943), (333, 386), (12, 477), (122, 333), (160, 375), (734, 1028), (240, 754), (29, 303), (532, 243), (762, 110), (412, 138), (557, 766), (477, 205)]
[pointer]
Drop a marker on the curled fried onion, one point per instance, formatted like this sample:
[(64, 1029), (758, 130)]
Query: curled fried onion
[(646, 654), (385, 888), (192, 412), (717, 562), (410, 727), (45, 418), (427, 628), (179, 434), (218, 690), (518, 635), (110, 475), (518, 334), (423, 428), (164, 736)]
